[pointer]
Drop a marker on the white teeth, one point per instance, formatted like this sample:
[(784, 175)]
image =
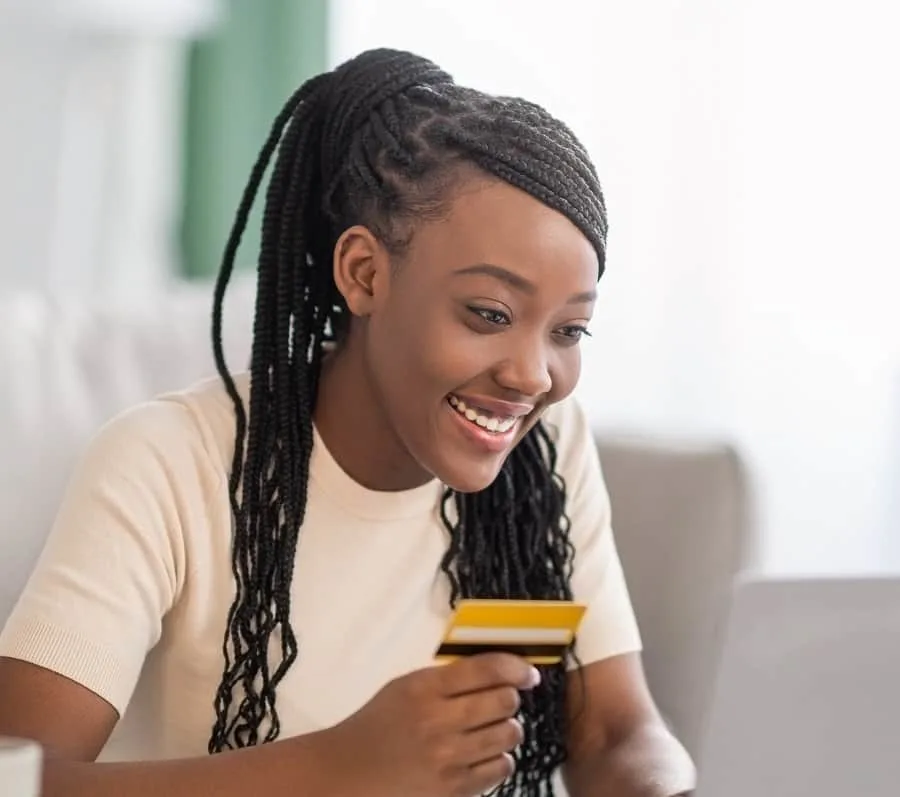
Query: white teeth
[(498, 425)]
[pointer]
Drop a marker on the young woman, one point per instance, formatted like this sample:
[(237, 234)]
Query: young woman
[(403, 438)]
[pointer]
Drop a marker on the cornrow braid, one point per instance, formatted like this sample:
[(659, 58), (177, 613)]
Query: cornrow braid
[(381, 141)]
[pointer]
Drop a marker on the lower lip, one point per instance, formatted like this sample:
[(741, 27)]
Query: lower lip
[(495, 442)]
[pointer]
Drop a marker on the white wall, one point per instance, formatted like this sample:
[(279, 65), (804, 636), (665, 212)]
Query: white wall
[(749, 156), (32, 82), (816, 333), (90, 104)]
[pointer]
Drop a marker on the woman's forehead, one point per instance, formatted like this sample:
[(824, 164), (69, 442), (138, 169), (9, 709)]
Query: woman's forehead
[(493, 223)]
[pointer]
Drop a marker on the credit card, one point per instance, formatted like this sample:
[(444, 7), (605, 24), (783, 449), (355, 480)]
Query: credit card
[(538, 631)]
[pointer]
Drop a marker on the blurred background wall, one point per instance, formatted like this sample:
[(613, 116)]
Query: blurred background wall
[(748, 152)]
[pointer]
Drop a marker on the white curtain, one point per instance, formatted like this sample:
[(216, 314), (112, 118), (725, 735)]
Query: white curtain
[(749, 155)]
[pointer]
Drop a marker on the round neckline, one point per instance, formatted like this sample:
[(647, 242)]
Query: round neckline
[(328, 475), (348, 494)]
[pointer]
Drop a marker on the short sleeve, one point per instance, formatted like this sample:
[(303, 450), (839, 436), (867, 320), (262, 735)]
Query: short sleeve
[(609, 627), (113, 564)]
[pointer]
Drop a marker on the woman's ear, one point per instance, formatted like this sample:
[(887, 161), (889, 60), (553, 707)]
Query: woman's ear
[(361, 270)]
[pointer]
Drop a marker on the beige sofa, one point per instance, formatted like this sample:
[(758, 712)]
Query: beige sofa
[(680, 508)]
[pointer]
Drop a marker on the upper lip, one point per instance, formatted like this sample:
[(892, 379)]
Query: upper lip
[(505, 409)]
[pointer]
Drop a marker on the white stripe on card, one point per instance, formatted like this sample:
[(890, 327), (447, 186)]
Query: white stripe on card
[(535, 636)]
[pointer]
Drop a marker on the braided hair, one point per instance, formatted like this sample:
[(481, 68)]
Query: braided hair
[(380, 141)]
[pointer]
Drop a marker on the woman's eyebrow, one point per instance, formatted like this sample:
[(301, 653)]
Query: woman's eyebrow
[(518, 282)]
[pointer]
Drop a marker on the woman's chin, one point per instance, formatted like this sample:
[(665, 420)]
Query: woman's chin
[(471, 477)]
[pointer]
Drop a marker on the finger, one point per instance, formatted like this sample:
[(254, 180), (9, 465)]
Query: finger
[(488, 774), (492, 741), (477, 709), (487, 670)]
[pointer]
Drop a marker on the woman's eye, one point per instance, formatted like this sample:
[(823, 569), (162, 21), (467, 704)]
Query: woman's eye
[(574, 333), (495, 317)]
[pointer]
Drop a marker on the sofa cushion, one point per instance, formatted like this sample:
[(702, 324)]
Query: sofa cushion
[(68, 366), (681, 514)]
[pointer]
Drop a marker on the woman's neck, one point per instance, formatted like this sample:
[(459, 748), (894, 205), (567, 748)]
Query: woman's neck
[(358, 434)]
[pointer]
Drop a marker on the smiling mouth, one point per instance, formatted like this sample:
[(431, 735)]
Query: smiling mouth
[(497, 424)]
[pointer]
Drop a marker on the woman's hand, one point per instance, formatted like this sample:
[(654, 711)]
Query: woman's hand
[(445, 731)]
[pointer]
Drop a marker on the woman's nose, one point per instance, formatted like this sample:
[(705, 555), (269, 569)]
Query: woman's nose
[(526, 374)]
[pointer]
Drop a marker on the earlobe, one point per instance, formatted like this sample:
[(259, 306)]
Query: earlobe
[(360, 268)]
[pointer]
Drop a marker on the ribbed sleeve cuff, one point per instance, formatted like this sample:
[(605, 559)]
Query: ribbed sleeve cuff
[(72, 655)]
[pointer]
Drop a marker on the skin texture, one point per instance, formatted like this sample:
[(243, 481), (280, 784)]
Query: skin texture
[(425, 326)]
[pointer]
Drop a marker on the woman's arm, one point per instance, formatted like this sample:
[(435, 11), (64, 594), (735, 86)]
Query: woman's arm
[(619, 744), (72, 724)]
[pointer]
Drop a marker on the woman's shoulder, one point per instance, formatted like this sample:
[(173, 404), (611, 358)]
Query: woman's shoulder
[(196, 423)]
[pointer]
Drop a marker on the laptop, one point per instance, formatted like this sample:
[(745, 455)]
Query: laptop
[(807, 698)]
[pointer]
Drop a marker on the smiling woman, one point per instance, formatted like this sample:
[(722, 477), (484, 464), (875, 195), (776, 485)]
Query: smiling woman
[(282, 548)]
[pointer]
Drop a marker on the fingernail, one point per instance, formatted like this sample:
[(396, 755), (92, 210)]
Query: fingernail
[(535, 678)]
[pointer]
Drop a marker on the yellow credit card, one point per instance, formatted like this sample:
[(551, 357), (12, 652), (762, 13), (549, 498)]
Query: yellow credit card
[(538, 631)]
